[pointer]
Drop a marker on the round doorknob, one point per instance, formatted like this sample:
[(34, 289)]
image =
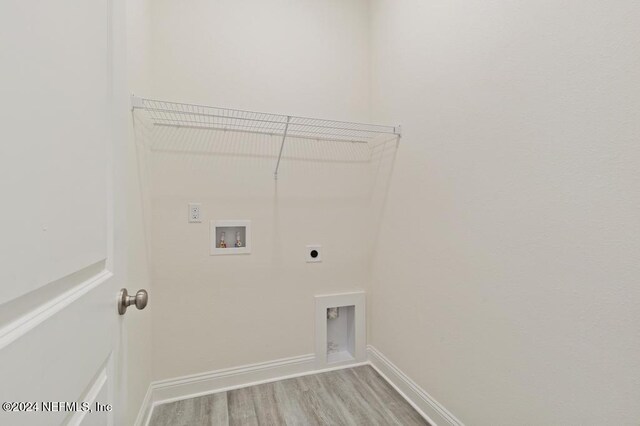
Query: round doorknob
[(140, 300)]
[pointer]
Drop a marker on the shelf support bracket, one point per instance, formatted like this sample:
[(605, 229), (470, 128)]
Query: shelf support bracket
[(284, 137), (136, 102)]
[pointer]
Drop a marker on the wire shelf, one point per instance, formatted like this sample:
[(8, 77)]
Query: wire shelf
[(165, 113)]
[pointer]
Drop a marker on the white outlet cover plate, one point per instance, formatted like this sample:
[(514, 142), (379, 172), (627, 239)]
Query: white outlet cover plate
[(311, 248), (195, 213)]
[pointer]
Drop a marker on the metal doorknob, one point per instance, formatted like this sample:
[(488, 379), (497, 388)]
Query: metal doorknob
[(124, 300)]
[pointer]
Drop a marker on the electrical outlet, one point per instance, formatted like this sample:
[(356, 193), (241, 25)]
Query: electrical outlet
[(194, 213), (314, 253)]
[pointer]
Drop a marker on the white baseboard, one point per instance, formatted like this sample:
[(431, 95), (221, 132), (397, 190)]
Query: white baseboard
[(229, 378), (195, 385), (145, 409), (428, 407)]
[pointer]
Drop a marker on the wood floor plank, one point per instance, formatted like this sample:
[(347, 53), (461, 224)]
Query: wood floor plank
[(207, 410), (220, 409), (241, 408), (290, 398), (324, 408), (177, 413), (356, 398), (372, 399), (387, 397), (350, 397), (266, 406)]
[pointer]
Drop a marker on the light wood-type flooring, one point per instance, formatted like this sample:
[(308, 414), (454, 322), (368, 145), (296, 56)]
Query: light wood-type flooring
[(353, 396)]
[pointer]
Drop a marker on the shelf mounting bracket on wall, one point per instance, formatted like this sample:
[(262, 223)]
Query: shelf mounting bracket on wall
[(284, 137)]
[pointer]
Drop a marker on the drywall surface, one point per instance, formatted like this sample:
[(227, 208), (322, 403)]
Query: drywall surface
[(136, 325), (306, 58), (515, 196)]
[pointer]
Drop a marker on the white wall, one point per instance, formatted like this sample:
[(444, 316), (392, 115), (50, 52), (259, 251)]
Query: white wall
[(289, 56), (298, 57), (515, 196)]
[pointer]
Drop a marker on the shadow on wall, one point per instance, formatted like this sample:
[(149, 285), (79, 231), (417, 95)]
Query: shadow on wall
[(323, 164)]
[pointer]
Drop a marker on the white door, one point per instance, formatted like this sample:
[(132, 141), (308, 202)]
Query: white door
[(62, 130)]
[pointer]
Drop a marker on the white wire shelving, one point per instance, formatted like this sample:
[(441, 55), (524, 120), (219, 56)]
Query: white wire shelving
[(166, 113)]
